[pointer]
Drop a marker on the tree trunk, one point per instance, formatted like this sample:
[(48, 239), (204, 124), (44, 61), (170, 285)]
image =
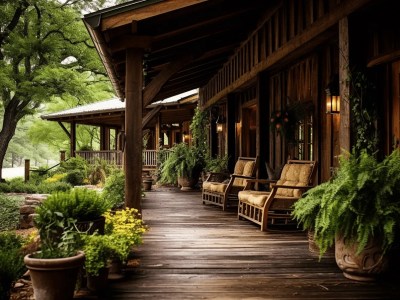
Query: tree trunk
[(10, 122)]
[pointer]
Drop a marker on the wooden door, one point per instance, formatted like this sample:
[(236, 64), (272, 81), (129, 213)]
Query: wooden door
[(396, 104)]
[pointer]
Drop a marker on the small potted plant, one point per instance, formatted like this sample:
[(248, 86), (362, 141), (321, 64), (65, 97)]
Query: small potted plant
[(98, 249), (358, 211), (54, 269)]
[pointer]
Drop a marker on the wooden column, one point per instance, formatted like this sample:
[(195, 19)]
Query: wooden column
[(262, 118), (104, 138), (72, 139), (27, 169), (62, 155), (133, 127), (231, 132), (213, 135), (344, 139), (158, 133)]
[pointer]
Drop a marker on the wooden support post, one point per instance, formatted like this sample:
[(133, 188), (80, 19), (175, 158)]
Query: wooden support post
[(133, 127), (27, 169), (62, 155), (213, 135), (231, 132), (262, 134), (344, 139), (72, 139)]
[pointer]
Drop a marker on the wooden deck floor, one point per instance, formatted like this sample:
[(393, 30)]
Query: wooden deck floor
[(194, 251)]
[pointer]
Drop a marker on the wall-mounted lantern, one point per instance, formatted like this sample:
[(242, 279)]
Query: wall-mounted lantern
[(220, 123), (186, 137), (333, 96)]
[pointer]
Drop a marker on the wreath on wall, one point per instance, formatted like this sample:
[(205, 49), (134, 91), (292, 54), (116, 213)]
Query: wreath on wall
[(284, 122)]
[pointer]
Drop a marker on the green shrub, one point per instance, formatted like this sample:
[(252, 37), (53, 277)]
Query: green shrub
[(5, 187), (114, 189), (53, 187), (80, 204), (75, 177), (11, 262), (9, 211), (74, 163), (18, 185)]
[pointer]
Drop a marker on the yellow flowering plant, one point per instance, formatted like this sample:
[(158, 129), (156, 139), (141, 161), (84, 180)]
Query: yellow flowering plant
[(127, 229)]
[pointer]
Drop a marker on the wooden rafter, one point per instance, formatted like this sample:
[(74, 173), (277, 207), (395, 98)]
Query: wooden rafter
[(150, 115), (152, 89)]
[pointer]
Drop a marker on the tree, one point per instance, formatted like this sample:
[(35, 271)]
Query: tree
[(45, 53)]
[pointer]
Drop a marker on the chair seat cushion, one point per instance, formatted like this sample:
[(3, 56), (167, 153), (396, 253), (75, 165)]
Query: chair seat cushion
[(258, 198)]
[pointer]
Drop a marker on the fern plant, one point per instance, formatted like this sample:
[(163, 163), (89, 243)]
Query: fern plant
[(360, 202), (183, 161)]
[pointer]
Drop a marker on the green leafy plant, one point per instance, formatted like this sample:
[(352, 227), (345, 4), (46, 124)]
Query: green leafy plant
[(199, 122), (360, 202), (80, 204), (114, 189), (99, 249), (59, 236), (217, 164), (75, 177), (362, 98), (11, 262), (9, 211), (183, 161)]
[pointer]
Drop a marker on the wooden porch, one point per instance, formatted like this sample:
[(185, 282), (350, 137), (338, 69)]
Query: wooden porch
[(193, 251)]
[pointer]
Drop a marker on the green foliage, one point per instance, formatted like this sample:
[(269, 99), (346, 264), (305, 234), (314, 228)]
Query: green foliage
[(11, 262), (364, 114), (9, 211), (18, 185), (183, 161), (45, 53), (53, 187), (98, 251), (74, 164), (97, 172), (217, 164), (360, 202), (199, 123), (75, 177), (58, 235), (79, 204), (114, 189)]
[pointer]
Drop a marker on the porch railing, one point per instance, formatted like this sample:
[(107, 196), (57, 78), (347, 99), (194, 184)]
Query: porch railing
[(150, 157), (113, 157)]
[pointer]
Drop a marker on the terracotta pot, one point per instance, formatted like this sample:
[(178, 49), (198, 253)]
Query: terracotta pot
[(366, 266), (54, 278), (97, 283), (147, 183), (186, 183)]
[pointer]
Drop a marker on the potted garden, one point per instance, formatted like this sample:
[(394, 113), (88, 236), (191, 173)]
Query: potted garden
[(54, 268), (182, 167), (358, 211)]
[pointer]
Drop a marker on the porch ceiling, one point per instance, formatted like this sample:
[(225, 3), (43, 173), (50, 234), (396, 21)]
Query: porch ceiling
[(197, 35)]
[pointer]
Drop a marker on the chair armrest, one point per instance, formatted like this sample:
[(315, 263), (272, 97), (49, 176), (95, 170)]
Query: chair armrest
[(242, 176)]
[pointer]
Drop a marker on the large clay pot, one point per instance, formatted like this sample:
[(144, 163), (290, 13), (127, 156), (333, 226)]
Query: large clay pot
[(187, 183), (366, 266), (54, 278)]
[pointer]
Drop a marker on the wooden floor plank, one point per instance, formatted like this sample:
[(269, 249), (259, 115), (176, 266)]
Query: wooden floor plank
[(193, 251)]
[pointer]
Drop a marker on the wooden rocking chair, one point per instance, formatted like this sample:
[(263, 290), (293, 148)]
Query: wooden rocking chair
[(275, 206), (222, 189)]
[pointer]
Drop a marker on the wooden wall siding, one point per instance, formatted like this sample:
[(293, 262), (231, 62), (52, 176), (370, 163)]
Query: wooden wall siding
[(284, 29), (298, 83)]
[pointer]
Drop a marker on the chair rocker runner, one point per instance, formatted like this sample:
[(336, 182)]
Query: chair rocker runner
[(222, 189), (275, 206)]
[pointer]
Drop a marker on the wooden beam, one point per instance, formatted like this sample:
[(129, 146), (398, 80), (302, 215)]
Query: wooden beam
[(65, 129), (152, 89), (150, 115), (72, 139), (133, 128), (296, 43), (344, 139), (130, 41)]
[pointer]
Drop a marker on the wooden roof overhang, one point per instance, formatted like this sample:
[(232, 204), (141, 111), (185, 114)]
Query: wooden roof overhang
[(185, 42)]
